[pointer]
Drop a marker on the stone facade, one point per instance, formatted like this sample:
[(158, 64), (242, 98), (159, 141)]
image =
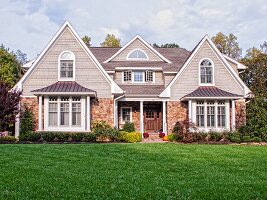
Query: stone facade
[(240, 113), (102, 109), (32, 104), (177, 111)]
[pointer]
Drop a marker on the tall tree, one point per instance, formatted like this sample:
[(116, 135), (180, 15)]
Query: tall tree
[(228, 45), (167, 45), (87, 40), (111, 41)]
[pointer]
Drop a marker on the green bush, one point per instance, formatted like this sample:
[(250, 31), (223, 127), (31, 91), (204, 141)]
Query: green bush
[(128, 127), (246, 138), (133, 137), (30, 136), (8, 139), (199, 136), (104, 131), (234, 137), (89, 137), (172, 137), (27, 122), (122, 136), (48, 136), (215, 136), (256, 139)]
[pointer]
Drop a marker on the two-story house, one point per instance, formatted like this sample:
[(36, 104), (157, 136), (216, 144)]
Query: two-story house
[(70, 85)]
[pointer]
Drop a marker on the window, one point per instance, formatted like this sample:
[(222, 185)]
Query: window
[(210, 114), (137, 54), (66, 65), (127, 76), (206, 72), (200, 113), (126, 114), (64, 114), (52, 111), (149, 76), (221, 114), (76, 111), (138, 76)]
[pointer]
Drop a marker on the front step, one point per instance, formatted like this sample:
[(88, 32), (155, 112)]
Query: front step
[(153, 136)]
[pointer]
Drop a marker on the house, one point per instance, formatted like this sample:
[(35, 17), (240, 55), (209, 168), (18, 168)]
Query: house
[(71, 85)]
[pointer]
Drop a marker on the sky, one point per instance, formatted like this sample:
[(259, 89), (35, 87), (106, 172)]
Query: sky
[(29, 25)]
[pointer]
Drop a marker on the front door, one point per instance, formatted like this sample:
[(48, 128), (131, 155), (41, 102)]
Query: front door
[(153, 121)]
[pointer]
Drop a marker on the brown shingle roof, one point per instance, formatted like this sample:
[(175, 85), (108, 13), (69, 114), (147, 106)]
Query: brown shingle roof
[(64, 87), (177, 56), (141, 90), (210, 91)]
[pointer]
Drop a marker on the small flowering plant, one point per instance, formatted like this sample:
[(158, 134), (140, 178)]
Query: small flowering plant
[(146, 135), (161, 134)]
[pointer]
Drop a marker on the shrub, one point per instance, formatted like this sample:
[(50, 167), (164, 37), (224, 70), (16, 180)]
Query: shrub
[(246, 139), (199, 136), (256, 139), (145, 135), (133, 137), (77, 137), (48, 136), (234, 137), (172, 137), (89, 137), (8, 139), (161, 134), (30, 136), (27, 122), (121, 136), (215, 136), (104, 131), (128, 127)]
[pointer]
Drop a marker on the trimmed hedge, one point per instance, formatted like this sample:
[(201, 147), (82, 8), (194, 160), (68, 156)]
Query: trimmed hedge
[(8, 139), (131, 137)]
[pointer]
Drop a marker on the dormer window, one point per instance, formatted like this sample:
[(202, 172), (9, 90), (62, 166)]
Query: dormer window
[(66, 66), (206, 72), (137, 54), (138, 76)]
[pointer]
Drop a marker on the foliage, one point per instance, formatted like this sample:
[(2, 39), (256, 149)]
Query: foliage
[(256, 139), (111, 41), (199, 136), (121, 136), (246, 138), (104, 131), (215, 136), (228, 45), (9, 106), (167, 45), (8, 139), (145, 135), (172, 137), (27, 122), (133, 137), (87, 40), (161, 134), (10, 70), (234, 137), (128, 127)]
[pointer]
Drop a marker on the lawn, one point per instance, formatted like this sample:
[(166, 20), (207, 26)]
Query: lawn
[(132, 171)]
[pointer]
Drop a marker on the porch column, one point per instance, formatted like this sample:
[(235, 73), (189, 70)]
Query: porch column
[(17, 124), (190, 110), (115, 113), (141, 117), (40, 114), (88, 113), (233, 115), (164, 124)]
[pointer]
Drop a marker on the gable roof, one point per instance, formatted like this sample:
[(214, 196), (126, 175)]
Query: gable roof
[(210, 92), (239, 65), (145, 43), (114, 87), (167, 91)]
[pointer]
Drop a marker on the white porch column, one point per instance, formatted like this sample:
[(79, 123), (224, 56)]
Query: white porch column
[(190, 110), (233, 115), (40, 114), (164, 124), (115, 113), (17, 124), (88, 114), (142, 117)]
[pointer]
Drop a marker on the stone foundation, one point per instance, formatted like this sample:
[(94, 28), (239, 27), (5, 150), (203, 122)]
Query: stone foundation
[(177, 111), (32, 104)]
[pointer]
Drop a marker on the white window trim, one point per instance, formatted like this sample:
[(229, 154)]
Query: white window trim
[(134, 82), (131, 114), (70, 127), (66, 79), (215, 128), (199, 73), (127, 57)]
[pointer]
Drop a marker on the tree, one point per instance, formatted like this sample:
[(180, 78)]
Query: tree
[(228, 45), (167, 45), (10, 66), (9, 106), (21, 57), (111, 41), (87, 40)]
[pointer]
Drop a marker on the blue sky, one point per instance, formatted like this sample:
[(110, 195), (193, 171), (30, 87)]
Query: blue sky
[(29, 25)]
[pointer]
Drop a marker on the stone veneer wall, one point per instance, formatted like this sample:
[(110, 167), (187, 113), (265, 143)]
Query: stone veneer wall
[(240, 113), (32, 104), (177, 111), (102, 109)]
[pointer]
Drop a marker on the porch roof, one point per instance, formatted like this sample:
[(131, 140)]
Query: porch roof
[(64, 87), (211, 92), (141, 90)]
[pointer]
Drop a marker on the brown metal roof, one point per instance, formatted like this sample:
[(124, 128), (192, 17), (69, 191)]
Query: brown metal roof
[(64, 87), (142, 90), (177, 56), (210, 91)]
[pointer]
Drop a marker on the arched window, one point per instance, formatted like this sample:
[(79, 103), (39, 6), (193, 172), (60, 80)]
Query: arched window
[(137, 54), (66, 65), (206, 71)]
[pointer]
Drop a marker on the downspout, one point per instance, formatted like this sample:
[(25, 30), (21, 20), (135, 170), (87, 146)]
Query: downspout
[(115, 110)]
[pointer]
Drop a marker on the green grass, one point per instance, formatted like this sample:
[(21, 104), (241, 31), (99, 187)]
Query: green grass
[(132, 171)]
